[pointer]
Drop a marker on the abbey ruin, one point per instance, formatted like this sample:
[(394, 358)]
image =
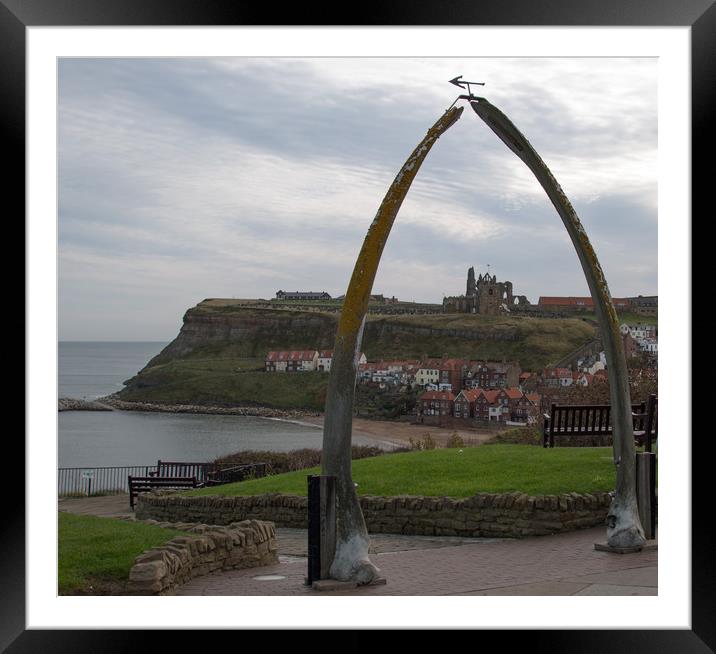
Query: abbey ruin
[(488, 297), (484, 295)]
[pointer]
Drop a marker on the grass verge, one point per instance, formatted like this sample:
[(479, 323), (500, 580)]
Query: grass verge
[(453, 472), (96, 554)]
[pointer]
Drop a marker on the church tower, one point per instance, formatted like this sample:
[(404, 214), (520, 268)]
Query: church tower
[(470, 282), (489, 293)]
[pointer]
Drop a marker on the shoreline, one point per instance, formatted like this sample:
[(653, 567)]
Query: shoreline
[(258, 411), (73, 404), (385, 432)]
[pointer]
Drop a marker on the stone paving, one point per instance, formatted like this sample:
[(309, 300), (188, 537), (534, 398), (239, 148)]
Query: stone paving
[(108, 506), (564, 564)]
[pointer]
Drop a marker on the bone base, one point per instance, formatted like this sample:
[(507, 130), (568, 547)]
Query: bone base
[(648, 546)]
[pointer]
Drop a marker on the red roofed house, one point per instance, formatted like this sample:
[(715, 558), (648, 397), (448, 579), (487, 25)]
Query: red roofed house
[(492, 374), (557, 377), (526, 408), (436, 403), (366, 370), (451, 372), (324, 360), (291, 360), (514, 395), (465, 403), (582, 379), (600, 376), (483, 402), (503, 404)]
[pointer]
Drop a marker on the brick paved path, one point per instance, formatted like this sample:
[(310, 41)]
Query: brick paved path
[(108, 506), (566, 564)]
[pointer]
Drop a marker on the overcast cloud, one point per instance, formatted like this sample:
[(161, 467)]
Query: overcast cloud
[(182, 179)]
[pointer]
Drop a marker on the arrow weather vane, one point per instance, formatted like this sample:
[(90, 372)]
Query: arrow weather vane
[(457, 81)]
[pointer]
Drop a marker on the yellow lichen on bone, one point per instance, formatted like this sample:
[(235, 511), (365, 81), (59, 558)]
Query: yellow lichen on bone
[(355, 304)]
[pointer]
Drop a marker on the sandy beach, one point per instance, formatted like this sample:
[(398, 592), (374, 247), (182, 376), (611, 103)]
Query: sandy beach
[(384, 432), (399, 433)]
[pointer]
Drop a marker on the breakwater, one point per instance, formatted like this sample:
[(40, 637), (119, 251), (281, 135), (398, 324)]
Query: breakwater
[(72, 404), (254, 411)]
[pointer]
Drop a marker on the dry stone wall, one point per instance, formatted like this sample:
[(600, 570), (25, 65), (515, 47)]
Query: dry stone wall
[(205, 548), (510, 515)]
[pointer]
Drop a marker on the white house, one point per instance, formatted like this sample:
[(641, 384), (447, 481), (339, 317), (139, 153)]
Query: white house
[(323, 364), (325, 358), (639, 332), (649, 345), (497, 410), (306, 360), (427, 376)]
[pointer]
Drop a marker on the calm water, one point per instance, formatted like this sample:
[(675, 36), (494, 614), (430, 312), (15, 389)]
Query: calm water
[(91, 370), (128, 438)]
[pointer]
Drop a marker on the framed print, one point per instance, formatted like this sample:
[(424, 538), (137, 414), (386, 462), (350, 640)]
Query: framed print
[(43, 46)]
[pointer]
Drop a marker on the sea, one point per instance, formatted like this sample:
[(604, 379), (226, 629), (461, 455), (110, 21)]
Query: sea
[(89, 370)]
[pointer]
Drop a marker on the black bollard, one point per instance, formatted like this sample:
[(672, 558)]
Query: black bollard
[(321, 526)]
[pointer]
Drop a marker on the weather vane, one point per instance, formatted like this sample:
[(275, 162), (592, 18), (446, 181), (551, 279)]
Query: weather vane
[(458, 81)]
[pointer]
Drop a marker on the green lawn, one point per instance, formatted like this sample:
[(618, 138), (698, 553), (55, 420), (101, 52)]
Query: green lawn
[(452, 473), (96, 554)]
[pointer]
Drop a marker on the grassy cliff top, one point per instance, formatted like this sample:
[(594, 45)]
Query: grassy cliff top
[(218, 356)]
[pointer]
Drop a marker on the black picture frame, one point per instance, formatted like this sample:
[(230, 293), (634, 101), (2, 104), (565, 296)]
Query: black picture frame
[(16, 15)]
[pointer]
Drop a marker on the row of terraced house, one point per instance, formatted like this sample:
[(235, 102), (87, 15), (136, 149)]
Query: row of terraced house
[(301, 360), (479, 404), (440, 374)]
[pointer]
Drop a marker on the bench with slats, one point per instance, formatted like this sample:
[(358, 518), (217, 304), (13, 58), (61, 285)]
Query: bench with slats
[(197, 469), (211, 474), (231, 474), (595, 420)]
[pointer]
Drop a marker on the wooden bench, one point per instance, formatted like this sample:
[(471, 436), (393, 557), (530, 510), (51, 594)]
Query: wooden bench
[(230, 474), (198, 469), (594, 420), (146, 484), (645, 424), (211, 474)]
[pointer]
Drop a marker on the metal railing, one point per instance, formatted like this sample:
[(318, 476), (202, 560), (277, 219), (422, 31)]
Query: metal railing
[(113, 480), (100, 480)]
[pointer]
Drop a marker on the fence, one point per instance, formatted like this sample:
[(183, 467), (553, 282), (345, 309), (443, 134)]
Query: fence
[(105, 480), (108, 480)]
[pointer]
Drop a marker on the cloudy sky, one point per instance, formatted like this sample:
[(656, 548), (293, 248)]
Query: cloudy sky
[(182, 179)]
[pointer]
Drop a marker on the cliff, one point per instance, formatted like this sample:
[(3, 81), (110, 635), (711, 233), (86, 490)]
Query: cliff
[(217, 357)]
